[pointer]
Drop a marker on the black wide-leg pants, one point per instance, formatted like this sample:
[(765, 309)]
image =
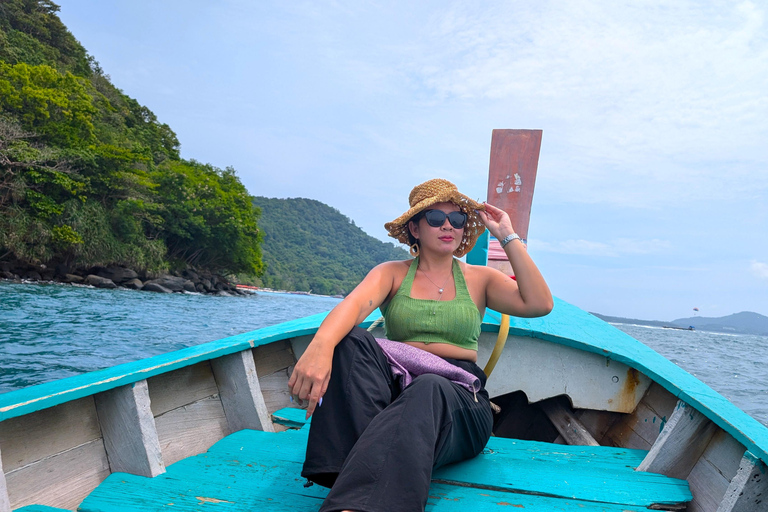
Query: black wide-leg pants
[(376, 445)]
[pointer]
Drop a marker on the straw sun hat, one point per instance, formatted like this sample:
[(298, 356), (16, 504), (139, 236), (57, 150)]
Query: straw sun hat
[(439, 191)]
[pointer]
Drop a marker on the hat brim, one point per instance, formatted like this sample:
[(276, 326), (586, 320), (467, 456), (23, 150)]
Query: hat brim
[(398, 228)]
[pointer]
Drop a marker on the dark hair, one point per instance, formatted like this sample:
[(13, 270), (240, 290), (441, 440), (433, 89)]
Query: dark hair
[(415, 219)]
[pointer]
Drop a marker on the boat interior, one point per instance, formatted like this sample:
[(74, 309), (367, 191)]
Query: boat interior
[(213, 427)]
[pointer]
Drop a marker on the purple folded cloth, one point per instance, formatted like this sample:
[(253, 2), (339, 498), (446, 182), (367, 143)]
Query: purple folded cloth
[(410, 362)]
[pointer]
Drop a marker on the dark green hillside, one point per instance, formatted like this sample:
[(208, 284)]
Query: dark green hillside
[(310, 246), (88, 176)]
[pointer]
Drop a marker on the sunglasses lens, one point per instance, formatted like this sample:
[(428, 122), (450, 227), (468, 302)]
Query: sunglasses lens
[(436, 218), (457, 219)]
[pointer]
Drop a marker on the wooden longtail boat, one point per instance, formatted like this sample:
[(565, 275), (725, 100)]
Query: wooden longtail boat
[(591, 419)]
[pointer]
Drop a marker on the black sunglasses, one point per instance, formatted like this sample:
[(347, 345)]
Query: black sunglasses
[(436, 218)]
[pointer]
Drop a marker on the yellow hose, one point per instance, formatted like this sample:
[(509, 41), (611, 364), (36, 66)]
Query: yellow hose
[(501, 340)]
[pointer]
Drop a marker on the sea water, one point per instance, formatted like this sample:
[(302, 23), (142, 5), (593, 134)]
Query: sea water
[(48, 332)]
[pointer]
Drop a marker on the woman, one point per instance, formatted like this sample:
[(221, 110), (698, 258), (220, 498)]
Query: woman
[(373, 442)]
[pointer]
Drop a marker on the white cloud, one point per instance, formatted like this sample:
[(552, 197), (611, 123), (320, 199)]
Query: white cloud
[(759, 269), (658, 101), (614, 248)]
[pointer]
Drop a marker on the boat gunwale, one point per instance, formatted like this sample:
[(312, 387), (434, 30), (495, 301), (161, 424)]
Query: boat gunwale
[(567, 325)]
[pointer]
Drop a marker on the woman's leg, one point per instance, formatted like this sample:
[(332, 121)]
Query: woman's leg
[(432, 423), (361, 386)]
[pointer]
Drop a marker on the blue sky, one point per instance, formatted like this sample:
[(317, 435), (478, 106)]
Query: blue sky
[(653, 177)]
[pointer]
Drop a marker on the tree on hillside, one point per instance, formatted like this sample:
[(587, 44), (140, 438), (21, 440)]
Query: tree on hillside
[(89, 176)]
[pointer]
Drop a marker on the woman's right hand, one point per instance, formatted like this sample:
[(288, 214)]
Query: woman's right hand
[(312, 373)]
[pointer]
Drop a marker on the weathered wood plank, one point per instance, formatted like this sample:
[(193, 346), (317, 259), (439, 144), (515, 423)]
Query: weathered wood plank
[(291, 417), (710, 477), (273, 357), (191, 429), (128, 428), (300, 343), (26, 439), (181, 387), (275, 390), (566, 423), (748, 490), (598, 423), (250, 469), (240, 393), (59, 481), (590, 473), (680, 444), (5, 502), (640, 429), (40, 508)]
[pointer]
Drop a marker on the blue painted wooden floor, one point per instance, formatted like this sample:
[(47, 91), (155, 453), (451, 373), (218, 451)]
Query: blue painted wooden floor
[(252, 470)]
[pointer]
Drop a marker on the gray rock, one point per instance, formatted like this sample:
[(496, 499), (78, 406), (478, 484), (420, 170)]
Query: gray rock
[(100, 282), (8, 275), (33, 275), (200, 288), (151, 286), (63, 269), (134, 284), (175, 284), (207, 284), (118, 275), (223, 294), (189, 286), (72, 278), (192, 275)]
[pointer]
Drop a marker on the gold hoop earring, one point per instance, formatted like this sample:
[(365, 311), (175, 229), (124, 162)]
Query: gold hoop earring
[(414, 250)]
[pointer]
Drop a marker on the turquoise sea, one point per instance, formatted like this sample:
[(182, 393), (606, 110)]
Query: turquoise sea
[(51, 331)]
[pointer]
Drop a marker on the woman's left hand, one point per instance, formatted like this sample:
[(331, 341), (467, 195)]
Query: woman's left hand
[(497, 221)]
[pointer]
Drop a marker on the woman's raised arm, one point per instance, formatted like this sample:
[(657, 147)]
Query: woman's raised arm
[(529, 295)]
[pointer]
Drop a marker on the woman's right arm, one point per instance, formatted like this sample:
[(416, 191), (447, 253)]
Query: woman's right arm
[(312, 373)]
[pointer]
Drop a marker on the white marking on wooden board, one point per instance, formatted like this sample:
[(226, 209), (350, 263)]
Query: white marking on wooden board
[(748, 489), (680, 444), (63, 480), (240, 392), (128, 427)]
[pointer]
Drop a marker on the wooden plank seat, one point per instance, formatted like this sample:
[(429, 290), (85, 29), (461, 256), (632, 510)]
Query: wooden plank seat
[(250, 469)]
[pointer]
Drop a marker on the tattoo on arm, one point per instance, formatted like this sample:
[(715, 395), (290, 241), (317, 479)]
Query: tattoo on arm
[(370, 303)]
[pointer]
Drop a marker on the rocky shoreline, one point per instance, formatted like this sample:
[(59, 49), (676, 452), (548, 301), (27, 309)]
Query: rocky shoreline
[(189, 280)]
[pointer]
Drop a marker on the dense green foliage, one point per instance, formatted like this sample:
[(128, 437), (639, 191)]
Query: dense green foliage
[(310, 246), (89, 176)]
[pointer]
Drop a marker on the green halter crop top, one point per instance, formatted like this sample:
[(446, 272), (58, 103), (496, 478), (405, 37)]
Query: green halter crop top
[(456, 321)]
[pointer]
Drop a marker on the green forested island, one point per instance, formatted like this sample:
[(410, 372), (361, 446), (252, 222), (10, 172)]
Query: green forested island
[(310, 246), (91, 178)]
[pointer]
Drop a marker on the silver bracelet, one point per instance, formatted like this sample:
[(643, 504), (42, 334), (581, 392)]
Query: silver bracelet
[(509, 238)]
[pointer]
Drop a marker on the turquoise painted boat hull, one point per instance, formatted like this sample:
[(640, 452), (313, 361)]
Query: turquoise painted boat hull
[(140, 428)]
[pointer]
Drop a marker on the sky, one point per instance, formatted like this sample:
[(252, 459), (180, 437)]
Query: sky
[(652, 182)]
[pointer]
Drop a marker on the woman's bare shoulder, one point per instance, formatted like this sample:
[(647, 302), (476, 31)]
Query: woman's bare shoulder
[(477, 271), (394, 267)]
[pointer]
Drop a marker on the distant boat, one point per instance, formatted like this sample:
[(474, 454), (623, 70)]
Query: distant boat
[(591, 420), (689, 328)]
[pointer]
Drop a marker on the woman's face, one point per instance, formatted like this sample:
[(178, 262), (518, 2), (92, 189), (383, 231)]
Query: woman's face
[(441, 239)]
